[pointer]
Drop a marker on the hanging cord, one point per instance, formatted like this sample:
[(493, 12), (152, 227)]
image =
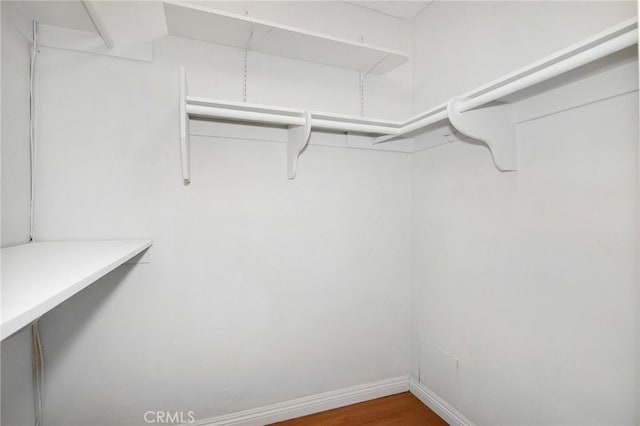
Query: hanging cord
[(362, 76), (244, 81), (36, 344), (32, 128), (246, 61), (37, 360)]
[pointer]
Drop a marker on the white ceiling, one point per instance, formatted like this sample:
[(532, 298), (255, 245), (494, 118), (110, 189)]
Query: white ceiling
[(66, 14), (398, 9)]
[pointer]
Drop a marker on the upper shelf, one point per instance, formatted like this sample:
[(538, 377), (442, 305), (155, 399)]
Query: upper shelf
[(37, 277), (201, 23)]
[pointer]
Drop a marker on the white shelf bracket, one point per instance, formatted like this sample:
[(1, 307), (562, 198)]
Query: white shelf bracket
[(297, 142), (98, 23), (491, 125), (185, 142)]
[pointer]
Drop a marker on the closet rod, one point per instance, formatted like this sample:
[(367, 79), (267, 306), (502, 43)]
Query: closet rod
[(552, 70), (288, 120), (592, 49)]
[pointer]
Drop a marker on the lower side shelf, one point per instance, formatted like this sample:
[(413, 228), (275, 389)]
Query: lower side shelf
[(36, 277)]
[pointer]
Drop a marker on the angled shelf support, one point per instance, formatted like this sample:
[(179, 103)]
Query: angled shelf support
[(298, 138), (98, 23), (106, 28), (491, 125)]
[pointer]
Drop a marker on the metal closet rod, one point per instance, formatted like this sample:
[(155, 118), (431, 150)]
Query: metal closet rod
[(288, 120), (594, 48)]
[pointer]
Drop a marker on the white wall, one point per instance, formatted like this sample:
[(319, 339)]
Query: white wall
[(17, 390), (525, 284), (459, 45), (260, 289), (15, 132)]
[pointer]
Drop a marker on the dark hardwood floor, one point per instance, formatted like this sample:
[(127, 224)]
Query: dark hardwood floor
[(402, 409)]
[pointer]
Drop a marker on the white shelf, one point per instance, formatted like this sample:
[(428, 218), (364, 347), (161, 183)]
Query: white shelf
[(201, 23), (37, 277)]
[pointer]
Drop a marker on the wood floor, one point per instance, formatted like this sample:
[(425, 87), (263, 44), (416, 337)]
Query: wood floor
[(402, 409)]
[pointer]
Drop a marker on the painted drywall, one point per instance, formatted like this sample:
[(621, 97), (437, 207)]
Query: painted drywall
[(460, 45), (529, 279), (260, 289), (15, 132), (15, 372), (525, 284)]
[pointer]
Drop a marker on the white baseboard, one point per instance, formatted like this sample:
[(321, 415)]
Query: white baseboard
[(438, 405), (309, 404)]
